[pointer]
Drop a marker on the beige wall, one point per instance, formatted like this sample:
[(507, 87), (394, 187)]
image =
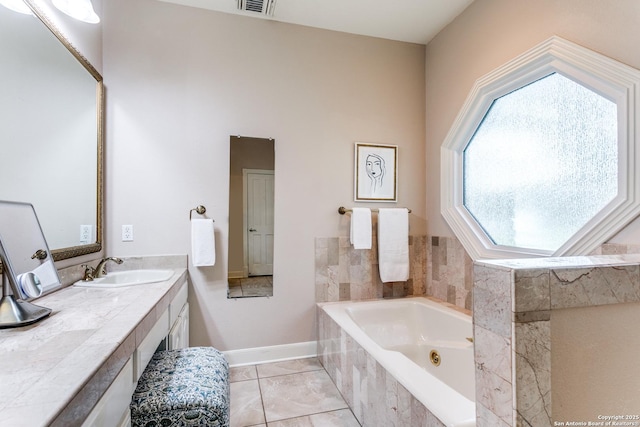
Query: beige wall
[(180, 81), (491, 32)]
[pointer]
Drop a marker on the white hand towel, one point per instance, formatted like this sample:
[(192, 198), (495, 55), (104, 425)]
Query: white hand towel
[(361, 228), (393, 244), (203, 243)]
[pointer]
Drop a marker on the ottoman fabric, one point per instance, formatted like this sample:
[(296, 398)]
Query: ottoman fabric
[(186, 387)]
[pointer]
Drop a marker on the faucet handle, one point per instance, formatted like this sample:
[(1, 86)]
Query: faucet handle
[(88, 273)]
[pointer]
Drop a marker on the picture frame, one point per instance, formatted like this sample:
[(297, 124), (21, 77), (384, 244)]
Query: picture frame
[(375, 172)]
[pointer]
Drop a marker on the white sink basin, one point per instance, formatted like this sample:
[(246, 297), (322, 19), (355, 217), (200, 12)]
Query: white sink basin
[(119, 279)]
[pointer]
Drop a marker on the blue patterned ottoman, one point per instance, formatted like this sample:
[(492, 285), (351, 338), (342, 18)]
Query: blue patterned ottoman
[(187, 387)]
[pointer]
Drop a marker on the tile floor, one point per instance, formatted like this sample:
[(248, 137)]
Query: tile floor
[(294, 393), (256, 286)]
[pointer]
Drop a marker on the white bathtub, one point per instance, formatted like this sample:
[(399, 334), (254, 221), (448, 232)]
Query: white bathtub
[(400, 334)]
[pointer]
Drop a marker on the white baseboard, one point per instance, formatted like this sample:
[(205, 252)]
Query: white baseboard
[(276, 353), (236, 275)]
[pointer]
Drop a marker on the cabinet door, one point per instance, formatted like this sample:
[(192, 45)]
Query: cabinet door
[(179, 334), (150, 343), (126, 421), (113, 408)]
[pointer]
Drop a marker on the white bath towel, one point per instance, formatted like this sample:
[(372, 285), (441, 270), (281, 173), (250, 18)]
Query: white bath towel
[(203, 243), (361, 228), (393, 244)]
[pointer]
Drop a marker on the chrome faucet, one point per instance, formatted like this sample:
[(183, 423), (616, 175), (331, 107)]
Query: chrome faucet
[(100, 271)]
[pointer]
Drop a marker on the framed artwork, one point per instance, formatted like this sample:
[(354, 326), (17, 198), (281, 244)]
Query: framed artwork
[(376, 174)]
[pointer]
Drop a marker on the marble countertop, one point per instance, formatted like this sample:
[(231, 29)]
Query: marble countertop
[(563, 262), (53, 372)]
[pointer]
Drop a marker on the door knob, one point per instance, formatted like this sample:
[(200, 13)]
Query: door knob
[(252, 229)]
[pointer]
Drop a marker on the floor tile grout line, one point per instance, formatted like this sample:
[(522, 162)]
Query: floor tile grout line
[(258, 376), (341, 395), (291, 373), (316, 413), (264, 411), (255, 370)]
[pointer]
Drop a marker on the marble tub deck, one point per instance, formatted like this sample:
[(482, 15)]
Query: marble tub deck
[(285, 394)]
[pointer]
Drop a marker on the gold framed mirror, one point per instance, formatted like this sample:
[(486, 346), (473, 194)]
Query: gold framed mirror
[(52, 121)]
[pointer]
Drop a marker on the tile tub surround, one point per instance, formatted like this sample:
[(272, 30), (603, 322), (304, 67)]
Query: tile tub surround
[(375, 396), (450, 268), (513, 305), (449, 271), (53, 372), (440, 267), (343, 273)]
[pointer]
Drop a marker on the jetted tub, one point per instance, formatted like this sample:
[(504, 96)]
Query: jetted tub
[(426, 346)]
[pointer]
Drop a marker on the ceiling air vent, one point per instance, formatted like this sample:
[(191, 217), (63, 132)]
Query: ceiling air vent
[(264, 7)]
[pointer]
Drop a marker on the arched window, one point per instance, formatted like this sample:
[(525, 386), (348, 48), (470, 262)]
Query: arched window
[(542, 157)]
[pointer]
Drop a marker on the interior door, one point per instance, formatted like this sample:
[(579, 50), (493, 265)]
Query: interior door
[(260, 223)]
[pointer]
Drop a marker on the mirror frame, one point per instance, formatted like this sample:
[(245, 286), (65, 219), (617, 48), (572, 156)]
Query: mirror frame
[(75, 251)]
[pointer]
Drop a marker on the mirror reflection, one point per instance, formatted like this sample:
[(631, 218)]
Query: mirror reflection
[(28, 269), (251, 189), (50, 118)]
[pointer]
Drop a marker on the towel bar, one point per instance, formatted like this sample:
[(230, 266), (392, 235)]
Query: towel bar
[(342, 210)]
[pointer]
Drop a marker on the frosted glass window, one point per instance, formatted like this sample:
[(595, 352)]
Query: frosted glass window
[(543, 157), (542, 163)]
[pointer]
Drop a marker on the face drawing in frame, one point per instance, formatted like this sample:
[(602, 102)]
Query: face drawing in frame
[(375, 172)]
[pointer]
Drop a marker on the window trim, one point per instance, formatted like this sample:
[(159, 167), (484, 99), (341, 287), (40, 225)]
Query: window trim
[(609, 78)]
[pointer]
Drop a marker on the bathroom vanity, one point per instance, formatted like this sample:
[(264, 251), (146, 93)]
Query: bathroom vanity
[(80, 365)]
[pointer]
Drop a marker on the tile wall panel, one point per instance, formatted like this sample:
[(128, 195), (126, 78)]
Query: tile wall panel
[(346, 274)]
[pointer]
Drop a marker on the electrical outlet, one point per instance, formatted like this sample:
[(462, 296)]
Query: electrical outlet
[(127, 233), (86, 233)]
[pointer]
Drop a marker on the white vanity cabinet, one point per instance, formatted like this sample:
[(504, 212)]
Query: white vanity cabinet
[(113, 408), (179, 318), (143, 354), (179, 334), (171, 331)]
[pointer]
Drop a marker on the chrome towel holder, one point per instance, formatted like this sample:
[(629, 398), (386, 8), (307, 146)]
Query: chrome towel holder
[(199, 210), (342, 210)]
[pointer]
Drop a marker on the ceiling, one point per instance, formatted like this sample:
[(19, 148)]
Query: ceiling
[(415, 21)]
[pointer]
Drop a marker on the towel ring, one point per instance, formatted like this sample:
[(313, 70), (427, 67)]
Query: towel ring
[(199, 209)]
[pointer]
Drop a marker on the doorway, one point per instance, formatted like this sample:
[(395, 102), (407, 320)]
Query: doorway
[(258, 196)]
